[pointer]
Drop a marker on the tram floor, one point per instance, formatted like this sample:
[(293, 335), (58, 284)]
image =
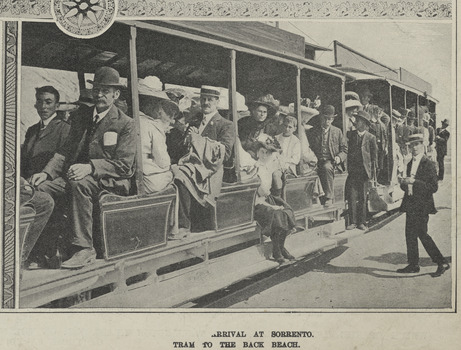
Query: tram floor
[(358, 275)]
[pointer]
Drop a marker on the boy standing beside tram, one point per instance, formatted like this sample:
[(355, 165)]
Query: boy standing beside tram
[(98, 155)]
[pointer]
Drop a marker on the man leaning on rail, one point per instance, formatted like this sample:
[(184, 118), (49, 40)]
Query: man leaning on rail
[(98, 155)]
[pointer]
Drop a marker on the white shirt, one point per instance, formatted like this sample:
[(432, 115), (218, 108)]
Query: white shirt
[(206, 119), (47, 121), (415, 164), (361, 133), (291, 151), (101, 115)]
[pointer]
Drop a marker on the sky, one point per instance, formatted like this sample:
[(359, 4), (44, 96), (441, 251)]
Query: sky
[(424, 49)]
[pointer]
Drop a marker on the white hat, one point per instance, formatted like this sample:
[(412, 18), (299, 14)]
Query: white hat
[(352, 103)]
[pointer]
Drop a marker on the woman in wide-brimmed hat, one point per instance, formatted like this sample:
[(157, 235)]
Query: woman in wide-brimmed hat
[(273, 214), (262, 112), (156, 114)]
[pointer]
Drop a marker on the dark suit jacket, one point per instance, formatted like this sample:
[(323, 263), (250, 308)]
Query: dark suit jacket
[(38, 149), (337, 144), (369, 151), (113, 164), (441, 141), (425, 185), (218, 129)]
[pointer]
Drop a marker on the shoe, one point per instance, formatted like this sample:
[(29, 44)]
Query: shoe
[(82, 258), (409, 269), (36, 263), (180, 234), (55, 262), (287, 255), (351, 227), (362, 227), (441, 269), (328, 203)]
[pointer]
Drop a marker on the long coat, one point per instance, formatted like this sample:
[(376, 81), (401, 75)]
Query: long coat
[(369, 152), (40, 147), (218, 129), (337, 145), (112, 149), (425, 185), (441, 141)]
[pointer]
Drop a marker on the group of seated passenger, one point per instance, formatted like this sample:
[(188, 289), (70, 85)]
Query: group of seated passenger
[(93, 151)]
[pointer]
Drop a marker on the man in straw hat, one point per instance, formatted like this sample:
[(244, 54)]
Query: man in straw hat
[(98, 155), (418, 202), (361, 164), (330, 147), (208, 124), (441, 141)]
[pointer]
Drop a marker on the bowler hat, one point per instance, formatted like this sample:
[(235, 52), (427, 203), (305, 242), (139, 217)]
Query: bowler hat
[(328, 111), (212, 91), (415, 138), (445, 121), (106, 76)]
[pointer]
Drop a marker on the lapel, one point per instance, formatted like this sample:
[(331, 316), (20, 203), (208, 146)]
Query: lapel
[(50, 128), (35, 130), (105, 123), (210, 126)]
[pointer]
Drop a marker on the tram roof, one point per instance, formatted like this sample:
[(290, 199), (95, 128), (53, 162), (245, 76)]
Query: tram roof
[(361, 76), (47, 47)]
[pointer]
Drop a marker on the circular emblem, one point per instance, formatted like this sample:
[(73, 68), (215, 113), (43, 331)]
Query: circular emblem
[(84, 18)]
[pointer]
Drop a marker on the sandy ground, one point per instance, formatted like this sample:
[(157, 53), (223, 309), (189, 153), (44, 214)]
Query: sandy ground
[(362, 273)]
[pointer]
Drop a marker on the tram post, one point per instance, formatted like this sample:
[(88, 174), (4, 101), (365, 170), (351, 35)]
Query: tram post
[(135, 106), (233, 106), (298, 107)]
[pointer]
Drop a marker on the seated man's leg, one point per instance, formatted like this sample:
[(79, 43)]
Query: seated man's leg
[(326, 172), (46, 244), (82, 194), (43, 205), (184, 206)]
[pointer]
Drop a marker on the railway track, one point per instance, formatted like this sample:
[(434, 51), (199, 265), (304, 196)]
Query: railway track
[(242, 290)]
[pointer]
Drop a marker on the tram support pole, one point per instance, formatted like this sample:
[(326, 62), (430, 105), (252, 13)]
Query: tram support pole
[(298, 107), (135, 107), (233, 107)]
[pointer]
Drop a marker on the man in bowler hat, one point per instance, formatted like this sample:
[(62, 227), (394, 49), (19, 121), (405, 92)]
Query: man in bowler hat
[(419, 185), (330, 147), (98, 155)]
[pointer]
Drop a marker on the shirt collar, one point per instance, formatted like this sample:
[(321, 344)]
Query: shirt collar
[(361, 133), (102, 114), (325, 130), (418, 157), (48, 121)]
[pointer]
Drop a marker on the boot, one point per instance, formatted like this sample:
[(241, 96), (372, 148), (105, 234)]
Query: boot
[(276, 251), (283, 250)]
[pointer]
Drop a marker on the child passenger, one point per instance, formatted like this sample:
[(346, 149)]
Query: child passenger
[(290, 144), (272, 213)]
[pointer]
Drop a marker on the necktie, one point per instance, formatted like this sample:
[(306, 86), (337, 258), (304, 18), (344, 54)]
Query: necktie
[(42, 125), (94, 125)]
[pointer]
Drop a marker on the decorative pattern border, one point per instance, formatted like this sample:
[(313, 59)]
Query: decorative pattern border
[(252, 9), (9, 170)]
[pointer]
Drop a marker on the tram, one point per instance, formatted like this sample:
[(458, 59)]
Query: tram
[(392, 90), (137, 266)]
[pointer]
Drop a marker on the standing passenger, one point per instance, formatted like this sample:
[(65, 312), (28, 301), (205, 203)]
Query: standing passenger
[(330, 147), (361, 165), (418, 202), (441, 141), (98, 155)]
